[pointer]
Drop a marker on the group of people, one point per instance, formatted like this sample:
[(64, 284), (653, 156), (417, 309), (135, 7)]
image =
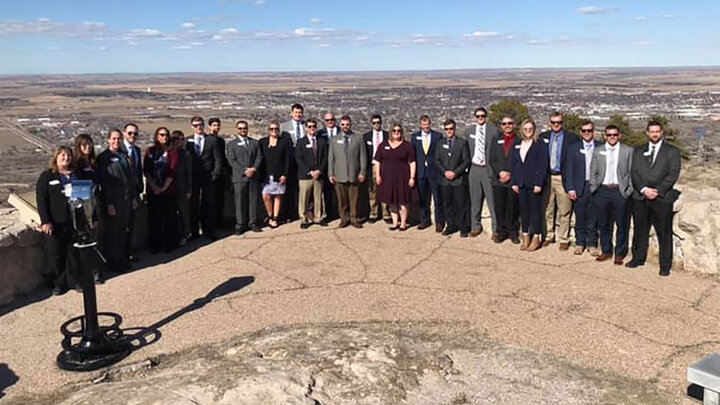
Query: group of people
[(531, 182)]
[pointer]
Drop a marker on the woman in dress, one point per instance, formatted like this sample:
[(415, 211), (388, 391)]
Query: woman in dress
[(276, 151), (394, 166), (55, 218), (529, 174), (160, 165)]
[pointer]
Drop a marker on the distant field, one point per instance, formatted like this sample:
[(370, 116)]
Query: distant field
[(9, 139)]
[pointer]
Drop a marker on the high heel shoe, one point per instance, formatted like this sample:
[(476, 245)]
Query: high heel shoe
[(272, 223)]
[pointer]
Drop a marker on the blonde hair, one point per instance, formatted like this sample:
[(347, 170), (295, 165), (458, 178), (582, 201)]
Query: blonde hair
[(52, 165), (522, 129)]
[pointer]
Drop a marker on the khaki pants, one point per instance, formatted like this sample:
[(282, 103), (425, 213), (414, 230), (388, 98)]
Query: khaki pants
[(310, 190), (375, 204), (348, 194), (556, 199)]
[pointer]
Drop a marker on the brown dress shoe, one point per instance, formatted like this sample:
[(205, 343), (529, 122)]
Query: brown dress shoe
[(619, 260), (564, 246), (497, 238), (439, 228), (525, 242), (475, 232), (547, 242), (578, 250), (603, 257), (535, 244)]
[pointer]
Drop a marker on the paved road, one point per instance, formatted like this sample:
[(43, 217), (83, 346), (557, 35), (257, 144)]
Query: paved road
[(595, 315)]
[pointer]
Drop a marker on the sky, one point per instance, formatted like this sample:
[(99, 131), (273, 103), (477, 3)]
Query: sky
[(109, 36)]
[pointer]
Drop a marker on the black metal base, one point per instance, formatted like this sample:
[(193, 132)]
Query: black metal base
[(87, 351)]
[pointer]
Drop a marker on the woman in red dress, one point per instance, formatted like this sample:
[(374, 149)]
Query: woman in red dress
[(394, 166)]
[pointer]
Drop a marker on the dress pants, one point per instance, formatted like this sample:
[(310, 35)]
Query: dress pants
[(202, 206), (247, 193), (162, 222), (558, 209), (612, 206), (586, 224), (348, 195), (183, 205), (454, 200), (311, 190), (220, 186), (531, 211), (659, 214), (330, 201), (481, 189), (130, 229), (507, 211), (61, 256), (428, 188), (375, 204), (116, 230), (288, 210)]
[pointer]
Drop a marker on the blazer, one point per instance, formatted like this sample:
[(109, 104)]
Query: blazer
[(276, 161), (499, 162), (307, 161), (491, 135), (660, 175), (568, 140), (368, 140), (323, 133), (425, 166), (575, 164), (207, 165), (117, 181), (243, 157), (52, 204), (598, 168), (533, 171), (455, 159), (136, 161), (346, 168), (287, 128)]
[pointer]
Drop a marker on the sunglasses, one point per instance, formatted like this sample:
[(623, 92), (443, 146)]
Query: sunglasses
[(376, 122), (450, 128), (396, 131), (311, 126), (480, 116), (163, 134), (198, 125), (506, 123), (242, 128), (613, 134), (587, 131), (329, 119), (274, 128), (131, 133), (556, 122)]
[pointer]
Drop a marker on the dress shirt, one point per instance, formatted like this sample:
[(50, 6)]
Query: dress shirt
[(425, 141), (299, 131), (479, 152), (331, 131), (611, 164), (657, 148), (377, 140), (524, 148), (588, 147), (199, 143), (556, 142)]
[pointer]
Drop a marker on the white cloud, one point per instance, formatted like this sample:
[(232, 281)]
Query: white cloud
[(323, 45), (51, 28), (103, 48), (641, 18), (197, 43), (217, 37), (481, 34), (668, 16), (230, 31), (144, 33), (188, 25), (259, 2), (538, 42), (589, 10), (180, 47), (316, 20), (644, 43)]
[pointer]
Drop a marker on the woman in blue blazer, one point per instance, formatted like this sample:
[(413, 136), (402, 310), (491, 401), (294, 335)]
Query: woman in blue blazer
[(529, 175)]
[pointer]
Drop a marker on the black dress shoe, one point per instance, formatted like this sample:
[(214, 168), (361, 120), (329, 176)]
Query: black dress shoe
[(211, 236), (322, 223), (59, 290), (305, 225), (357, 225), (439, 228), (449, 231), (664, 271), (388, 220), (423, 226), (515, 240), (634, 263), (372, 220), (402, 228), (256, 228), (463, 234), (393, 227), (240, 231), (344, 224)]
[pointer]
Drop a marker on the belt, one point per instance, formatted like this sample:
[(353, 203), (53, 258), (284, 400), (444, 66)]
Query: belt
[(610, 186), (555, 173)]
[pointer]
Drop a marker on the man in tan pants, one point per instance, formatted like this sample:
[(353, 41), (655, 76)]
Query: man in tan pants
[(373, 139), (558, 204), (311, 158)]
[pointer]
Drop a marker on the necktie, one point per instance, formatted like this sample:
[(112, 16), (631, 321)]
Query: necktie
[(298, 134), (553, 152), (611, 165), (651, 158), (198, 145), (481, 143), (426, 143), (378, 139), (346, 145), (314, 146)]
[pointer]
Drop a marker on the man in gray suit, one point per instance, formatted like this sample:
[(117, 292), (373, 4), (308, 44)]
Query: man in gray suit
[(481, 137), (245, 158), (347, 165), (295, 127), (452, 159), (611, 188)]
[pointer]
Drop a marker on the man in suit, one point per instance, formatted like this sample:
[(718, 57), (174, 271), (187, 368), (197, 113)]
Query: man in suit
[(245, 158), (329, 131), (294, 129), (577, 186), (119, 197), (425, 141), (130, 133), (558, 206), (347, 166), (611, 187), (221, 183), (311, 157), (206, 167), (372, 140), (655, 169), (481, 137), (507, 205), (452, 159)]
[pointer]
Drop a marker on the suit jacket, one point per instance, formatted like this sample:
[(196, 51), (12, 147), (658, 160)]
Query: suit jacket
[(52, 204), (287, 128), (224, 165), (276, 162), (533, 171), (455, 159), (323, 133), (136, 161), (425, 164), (117, 180), (575, 164), (368, 141), (208, 165), (598, 168), (499, 162), (568, 140), (491, 135), (307, 161), (243, 157), (183, 175), (660, 175), (347, 168)]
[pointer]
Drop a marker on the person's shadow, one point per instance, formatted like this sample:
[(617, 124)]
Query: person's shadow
[(8, 378), (147, 335)]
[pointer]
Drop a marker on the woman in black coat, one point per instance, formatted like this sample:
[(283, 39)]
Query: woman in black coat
[(55, 218), (277, 151)]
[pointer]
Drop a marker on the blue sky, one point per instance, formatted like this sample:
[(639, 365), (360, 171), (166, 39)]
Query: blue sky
[(88, 36)]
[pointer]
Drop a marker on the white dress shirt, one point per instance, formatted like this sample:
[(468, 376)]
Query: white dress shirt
[(657, 148), (377, 139), (479, 157), (199, 143), (589, 147), (611, 163)]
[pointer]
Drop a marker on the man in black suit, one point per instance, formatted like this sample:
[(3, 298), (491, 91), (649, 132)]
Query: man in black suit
[(245, 158), (507, 205), (452, 159), (206, 158), (373, 139), (558, 206), (655, 169), (425, 141), (294, 130), (577, 186), (221, 183), (330, 128), (311, 155), (130, 133)]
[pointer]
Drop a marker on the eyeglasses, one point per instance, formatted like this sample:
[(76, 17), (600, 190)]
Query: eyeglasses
[(450, 128), (556, 122), (613, 134), (274, 128), (329, 119), (376, 122), (587, 131), (506, 123), (198, 125), (311, 126), (480, 116), (131, 133), (344, 124), (242, 128), (395, 131)]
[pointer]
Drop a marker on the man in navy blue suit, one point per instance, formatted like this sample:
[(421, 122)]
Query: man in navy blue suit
[(577, 186), (130, 133), (425, 141)]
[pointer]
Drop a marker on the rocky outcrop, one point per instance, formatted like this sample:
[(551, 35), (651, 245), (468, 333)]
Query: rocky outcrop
[(697, 229), (21, 259)]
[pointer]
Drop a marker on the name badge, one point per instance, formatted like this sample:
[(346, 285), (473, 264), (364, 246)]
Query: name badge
[(518, 147), (648, 153), (446, 146), (583, 151), (502, 141), (54, 182), (419, 138), (387, 148), (309, 146), (474, 136), (114, 159), (603, 152), (340, 141), (546, 140), (369, 143)]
